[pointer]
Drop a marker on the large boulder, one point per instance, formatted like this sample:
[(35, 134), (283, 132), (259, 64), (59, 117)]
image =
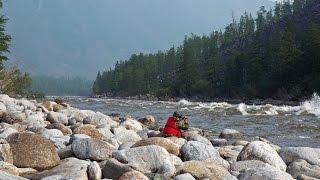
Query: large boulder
[(70, 168), (133, 175), (7, 176), (300, 167), (230, 134), (98, 119), (258, 150), (219, 142), (194, 150), (89, 130), (57, 117), (5, 151), (148, 159), (203, 169), (34, 151), (92, 149), (113, 169), (185, 176), (290, 154), (159, 141), (123, 135), (267, 173), (176, 140)]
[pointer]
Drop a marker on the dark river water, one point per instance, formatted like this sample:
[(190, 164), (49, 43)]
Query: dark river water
[(283, 125)]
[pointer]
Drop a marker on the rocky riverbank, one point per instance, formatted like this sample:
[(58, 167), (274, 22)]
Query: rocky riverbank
[(53, 141)]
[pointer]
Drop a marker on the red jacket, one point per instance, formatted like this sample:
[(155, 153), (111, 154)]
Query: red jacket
[(171, 128)]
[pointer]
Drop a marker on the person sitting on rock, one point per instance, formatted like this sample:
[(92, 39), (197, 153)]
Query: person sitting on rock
[(175, 124)]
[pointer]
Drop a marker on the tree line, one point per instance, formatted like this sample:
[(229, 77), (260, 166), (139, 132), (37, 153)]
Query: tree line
[(276, 54)]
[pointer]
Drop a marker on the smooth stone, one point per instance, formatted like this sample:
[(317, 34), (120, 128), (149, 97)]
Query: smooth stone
[(94, 171), (245, 165), (89, 130), (123, 135), (7, 176), (50, 133), (93, 149), (70, 168), (240, 142), (133, 175), (185, 176), (35, 120), (300, 167), (113, 169), (150, 122), (106, 133), (143, 134), (99, 119), (64, 129), (14, 117), (132, 125), (126, 145), (176, 140), (176, 160), (34, 151), (56, 117), (194, 150), (200, 139), (65, 152), (228, 152), (219, 142), (5, 151), (159, 141), (258, 150), (230, 134), (75, 137), (264, 173), (147, 159), (203, 169), (311, 155)]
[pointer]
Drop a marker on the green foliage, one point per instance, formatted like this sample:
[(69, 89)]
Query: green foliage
[(252, 58), (61, 86)]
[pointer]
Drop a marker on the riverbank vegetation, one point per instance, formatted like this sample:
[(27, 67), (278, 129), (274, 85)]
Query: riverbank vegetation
[(12, 81), (273, 55)]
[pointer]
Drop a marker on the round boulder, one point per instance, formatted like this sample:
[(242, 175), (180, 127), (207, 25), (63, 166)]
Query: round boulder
[(159, 141), (33, 151)]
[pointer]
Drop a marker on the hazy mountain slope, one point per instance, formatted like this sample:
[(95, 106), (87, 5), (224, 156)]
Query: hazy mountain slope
[(78, 37)]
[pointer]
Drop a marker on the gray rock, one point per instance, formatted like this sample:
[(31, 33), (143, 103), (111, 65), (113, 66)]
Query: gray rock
[(132, 125), (123, 135), (106, 133), (50, 133), (94, 171), (70, 168), (133, 175), (75, 137), (65, 152), (230, 133), (126, 145), (35, 120), (7, 176), (61, 141), (264, 173), (5, 132), (185, 176), (92, 149), (258, 150), (200, 139), (14, 117), (148, 159), (219, 142), (99, 119), (56, 117), (300, 167), (194, 150), (176, 160), (245, 165), (311, 155), (5, 151), (26, 104), (113, 169)]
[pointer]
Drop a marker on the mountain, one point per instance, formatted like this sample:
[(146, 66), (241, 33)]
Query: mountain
[(79, 37)]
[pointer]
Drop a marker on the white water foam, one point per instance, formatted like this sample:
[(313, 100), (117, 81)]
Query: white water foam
[(242, 107), (311, 106)]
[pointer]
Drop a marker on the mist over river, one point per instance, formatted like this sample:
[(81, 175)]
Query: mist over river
[(283, 125)]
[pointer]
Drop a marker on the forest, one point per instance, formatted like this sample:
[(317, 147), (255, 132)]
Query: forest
[(273, 54)]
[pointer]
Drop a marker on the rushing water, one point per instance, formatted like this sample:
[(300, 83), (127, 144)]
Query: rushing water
[(283, 125)]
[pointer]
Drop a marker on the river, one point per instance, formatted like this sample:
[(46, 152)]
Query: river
[(283, 125)]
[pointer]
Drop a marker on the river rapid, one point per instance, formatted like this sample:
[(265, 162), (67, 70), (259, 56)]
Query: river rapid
[(283, 125)]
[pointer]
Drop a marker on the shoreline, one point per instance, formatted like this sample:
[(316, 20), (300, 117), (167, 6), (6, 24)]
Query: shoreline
[(277, 102)]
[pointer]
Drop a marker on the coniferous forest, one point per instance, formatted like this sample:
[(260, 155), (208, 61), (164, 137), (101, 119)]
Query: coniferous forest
[(274, 55)]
